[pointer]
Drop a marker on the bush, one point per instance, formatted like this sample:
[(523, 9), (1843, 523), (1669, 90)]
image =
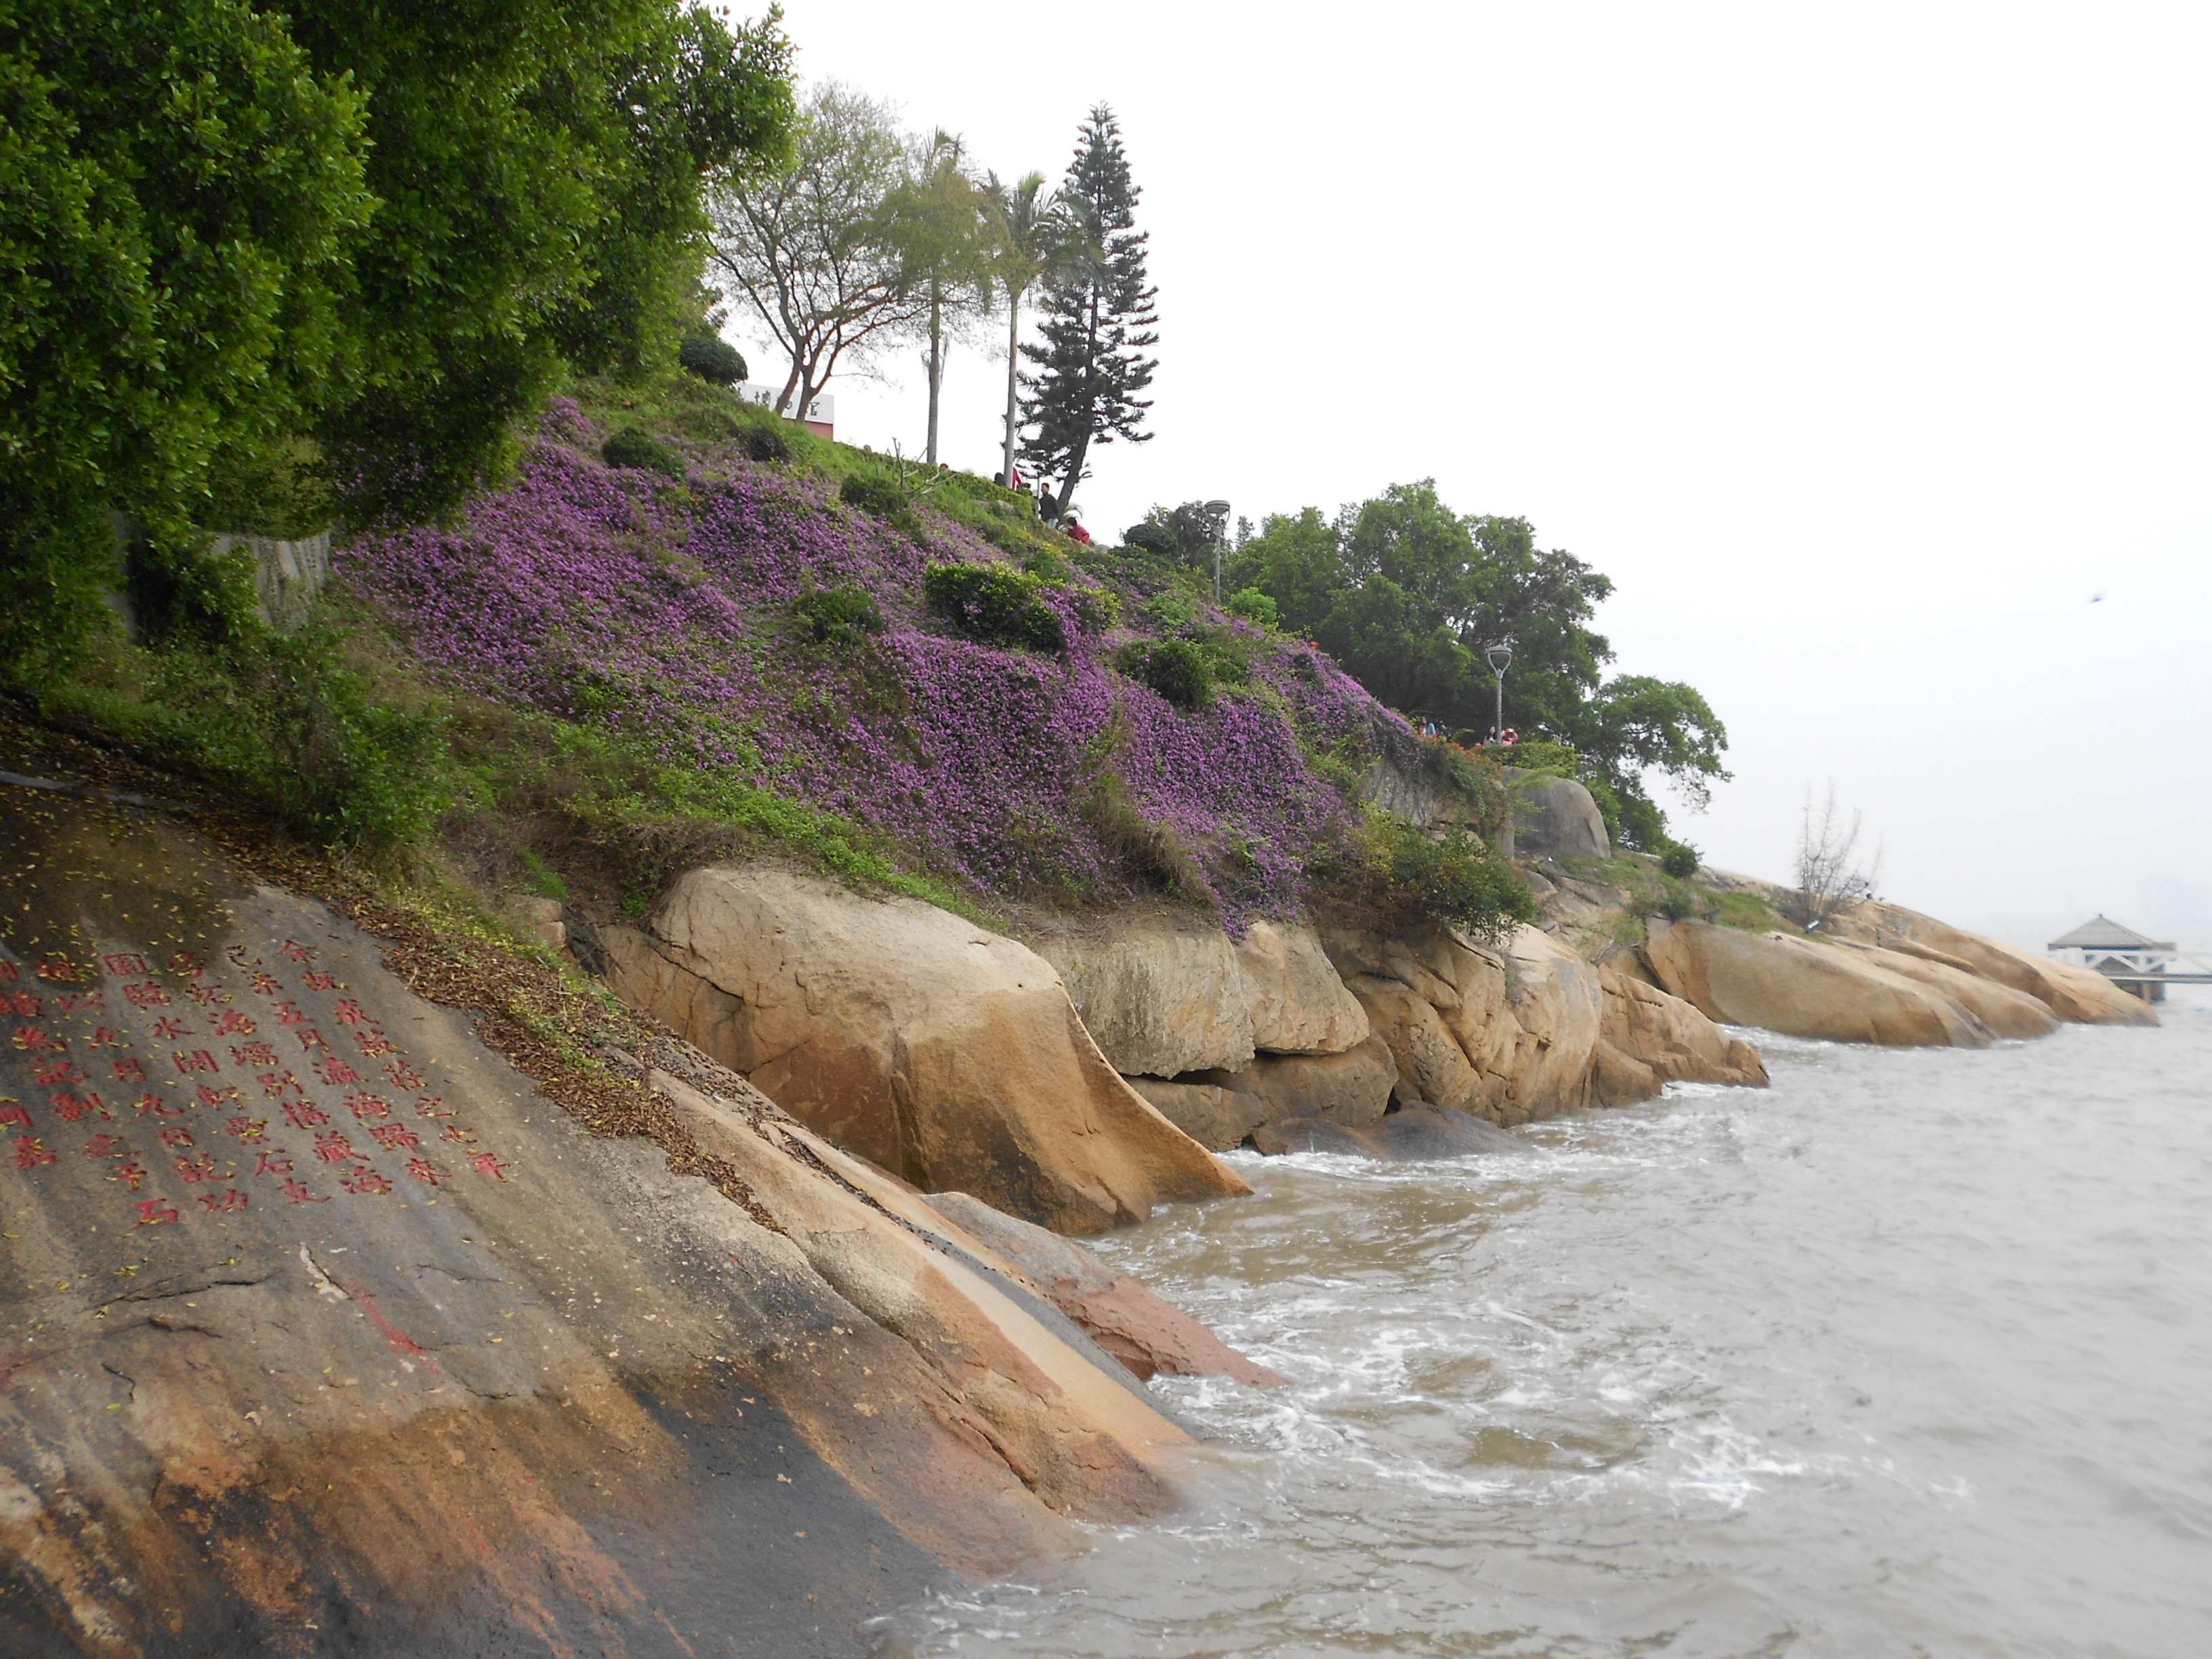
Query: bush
[(874, 493), (1679, 860), (711, 358), (1171, 610), (1254, 607), (634, 447), (837, 616), (1454, 879), (1175, 669), (994, 603)]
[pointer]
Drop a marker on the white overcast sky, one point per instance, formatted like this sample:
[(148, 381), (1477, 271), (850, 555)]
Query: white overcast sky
[(1861, 346)]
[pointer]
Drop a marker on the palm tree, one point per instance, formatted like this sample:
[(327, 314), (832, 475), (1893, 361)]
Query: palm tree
[(1034, 237)]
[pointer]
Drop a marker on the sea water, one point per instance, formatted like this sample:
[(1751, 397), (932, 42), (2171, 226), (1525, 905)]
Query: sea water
[(1910, 1353)]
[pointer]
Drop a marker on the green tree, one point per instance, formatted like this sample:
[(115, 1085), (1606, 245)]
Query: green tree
[(1030, 240), (942, 227), (1099, 320), (815, 248), (1407, 594), (539, 165), (179, 199)]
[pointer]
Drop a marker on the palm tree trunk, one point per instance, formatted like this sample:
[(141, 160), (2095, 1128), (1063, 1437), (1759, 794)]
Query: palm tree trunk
[(1013, 367), (936, 364)]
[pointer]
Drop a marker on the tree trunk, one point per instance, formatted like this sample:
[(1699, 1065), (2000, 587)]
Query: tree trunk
[(1014, 369), (1082, 450), (936, 365)]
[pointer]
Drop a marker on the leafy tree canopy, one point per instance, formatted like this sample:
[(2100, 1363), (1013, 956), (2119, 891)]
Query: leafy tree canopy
[(1407, 594), (223, 229)]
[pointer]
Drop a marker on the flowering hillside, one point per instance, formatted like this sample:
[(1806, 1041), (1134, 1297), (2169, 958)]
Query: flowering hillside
[(684, 616)]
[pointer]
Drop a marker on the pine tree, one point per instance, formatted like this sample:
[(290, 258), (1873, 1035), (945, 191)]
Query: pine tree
[(1098, 320)]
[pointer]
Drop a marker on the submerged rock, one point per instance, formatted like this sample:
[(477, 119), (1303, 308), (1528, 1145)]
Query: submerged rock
[(319, 1317), (1350, 1088), (942, 1052)]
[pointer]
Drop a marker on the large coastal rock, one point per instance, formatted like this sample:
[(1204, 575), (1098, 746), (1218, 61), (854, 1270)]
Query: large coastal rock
[(1651, 1038), (1165, 992), (1351, 1088), (2005, 1011), (942, 1052), (2073, 993), (1215, 1118), (1555, 817), (1145, 1333), (1803, 988), (326, 1329), (1507, 1035)]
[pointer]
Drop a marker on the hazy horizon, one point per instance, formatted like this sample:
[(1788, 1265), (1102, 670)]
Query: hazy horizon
[(1861, 350)]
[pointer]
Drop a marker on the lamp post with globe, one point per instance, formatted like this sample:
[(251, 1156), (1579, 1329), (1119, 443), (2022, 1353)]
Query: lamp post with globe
[(1217, 513), (1500, 657)]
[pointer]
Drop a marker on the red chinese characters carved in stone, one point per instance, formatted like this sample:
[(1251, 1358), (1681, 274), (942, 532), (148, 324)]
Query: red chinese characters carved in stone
[(310, 1038), (61, 971), (154, 1105), (485, 1163), (24, 1004), (336, 1072), (334, 1147), (216, 1096), (426, 1172), (128, 1173), (210, 996), (127, 965), (232, 1022), (374, 1041), (267, 984), (176, 1135), (296, 951), (31, 1040), (153, 1213), (277, 1085), (240, 957), (224, 1203), (31, 1152), (299, 1193), (52, 1071), (432, 1106), (249, 1128), (320, 980), (201, 1168), (362, 1178), (349, 1012), (168, 1030), (198, 1060), (393, 1136), (83, 1002), (70, 1108), (186, 962), (152, 994), (106, 1036), (273, 1164), (128, 1070), (288, 1013), (303, 1115), (402, 1075), (107, 1146), (368, 1107), (12, 1111), (252, 1054)]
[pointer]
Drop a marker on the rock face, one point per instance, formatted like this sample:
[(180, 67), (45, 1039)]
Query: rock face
[(1645, 1027), (2005, 1011), (320, 1316), (1166, 993), (945, 1054), (1136, 1328), (1802, 988), (1215, 1118), (1555, 817), (1350, 1088), (2079, 995), (1506, 1034)]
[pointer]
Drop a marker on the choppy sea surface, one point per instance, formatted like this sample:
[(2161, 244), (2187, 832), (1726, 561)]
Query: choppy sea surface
[(1909, 1354)]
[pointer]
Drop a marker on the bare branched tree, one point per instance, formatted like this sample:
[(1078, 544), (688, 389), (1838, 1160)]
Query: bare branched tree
[(817, 250), (1829, 877)]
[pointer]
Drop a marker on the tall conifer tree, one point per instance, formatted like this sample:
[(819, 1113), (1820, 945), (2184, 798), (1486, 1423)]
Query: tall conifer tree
[(1098, 318)]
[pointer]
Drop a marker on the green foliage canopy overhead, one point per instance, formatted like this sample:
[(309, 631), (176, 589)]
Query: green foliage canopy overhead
[(1407, 594), (222, 228)]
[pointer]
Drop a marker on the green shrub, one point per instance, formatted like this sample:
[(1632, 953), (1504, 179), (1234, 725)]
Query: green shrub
[(1390, 866), (1553, 759), (634, 447), (1171, 610), (711, 358), (1678, 860), (872, 492), (996, 604), (1254, 607), (837, 616), (1176, 668)]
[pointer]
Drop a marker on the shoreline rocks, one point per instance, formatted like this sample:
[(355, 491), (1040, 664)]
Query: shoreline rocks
[(945, 1054)]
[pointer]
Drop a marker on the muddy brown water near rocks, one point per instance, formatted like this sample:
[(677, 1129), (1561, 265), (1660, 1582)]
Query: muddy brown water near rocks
[(1909, 1354)]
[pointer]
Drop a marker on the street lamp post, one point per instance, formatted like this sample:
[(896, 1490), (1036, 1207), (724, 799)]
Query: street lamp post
[(1219, 511), (1500, 657)]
